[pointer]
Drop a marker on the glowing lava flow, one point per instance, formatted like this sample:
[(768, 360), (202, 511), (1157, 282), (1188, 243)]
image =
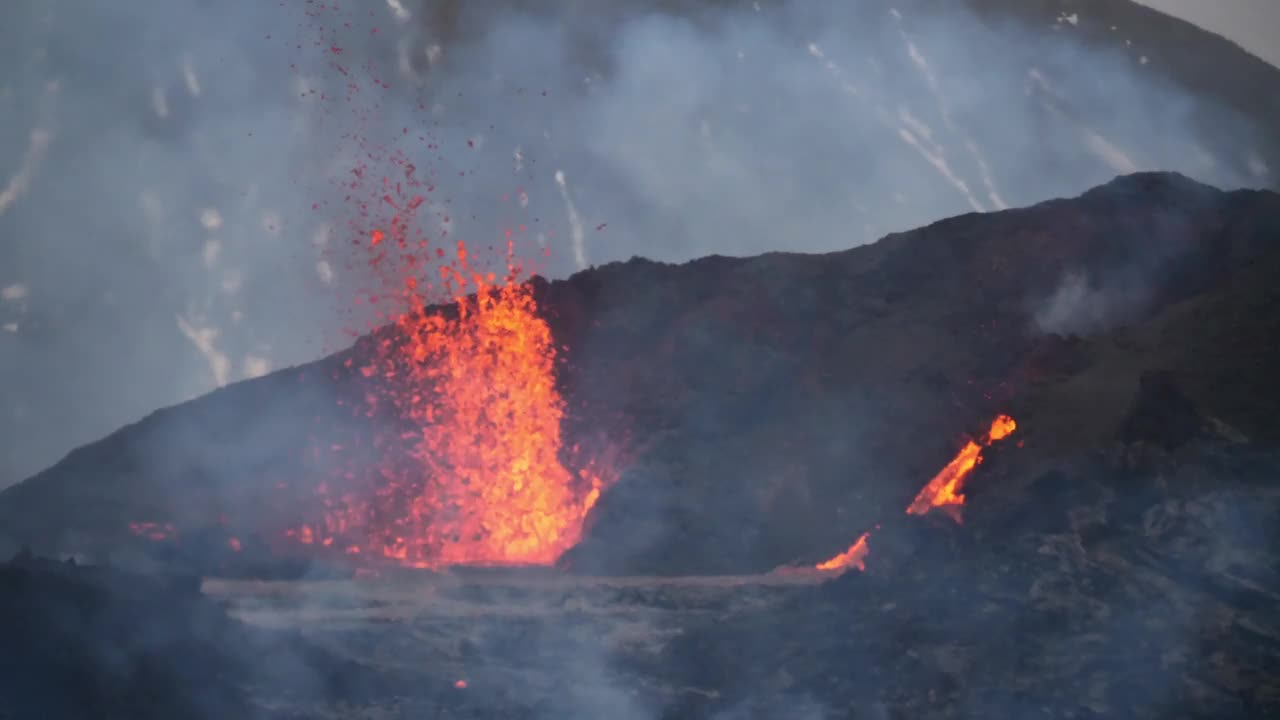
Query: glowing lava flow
[(855, 556), (943, 491)]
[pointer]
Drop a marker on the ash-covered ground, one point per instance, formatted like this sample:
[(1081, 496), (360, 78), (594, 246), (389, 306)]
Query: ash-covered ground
[(503, 643), (1117, 555), (1134, 580)]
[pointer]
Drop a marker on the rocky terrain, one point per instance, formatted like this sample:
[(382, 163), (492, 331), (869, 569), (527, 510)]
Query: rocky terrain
[(1131, 583), (1135, 581), (1153, 595), (96, 642), (834, 386), (766, 410), (1116, 560)]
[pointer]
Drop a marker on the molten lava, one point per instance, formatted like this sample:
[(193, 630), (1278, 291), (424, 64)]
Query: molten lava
[(943, 491), (479, 480), (855, 556), (490, 440)]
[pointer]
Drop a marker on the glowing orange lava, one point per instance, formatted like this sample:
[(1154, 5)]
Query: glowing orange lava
[(476, 389), (943, 491), (490, 434), (855, 556), (945, 488)]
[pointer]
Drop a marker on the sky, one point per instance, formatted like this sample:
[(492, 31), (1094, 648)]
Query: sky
[(174, 173), (1251, 24)]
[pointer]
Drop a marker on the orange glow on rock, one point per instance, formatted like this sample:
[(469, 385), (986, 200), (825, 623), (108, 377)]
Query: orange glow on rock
[(1001, 428), (943, 491), (945, 488), (855, 556)]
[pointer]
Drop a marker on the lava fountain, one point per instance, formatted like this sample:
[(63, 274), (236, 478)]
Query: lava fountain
[(474, 476), (489, 414)]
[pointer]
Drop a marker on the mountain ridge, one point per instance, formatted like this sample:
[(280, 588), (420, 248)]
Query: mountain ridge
[(1051, 105), (743, 373)]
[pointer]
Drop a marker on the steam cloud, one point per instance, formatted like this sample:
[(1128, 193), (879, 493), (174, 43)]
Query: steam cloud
[(168, 185)]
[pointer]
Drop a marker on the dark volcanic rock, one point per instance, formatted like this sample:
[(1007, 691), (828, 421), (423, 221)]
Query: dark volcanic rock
[(810, 417), (1118, 606), (95, 642), (1161, 414), (769, 409), (82, 642)]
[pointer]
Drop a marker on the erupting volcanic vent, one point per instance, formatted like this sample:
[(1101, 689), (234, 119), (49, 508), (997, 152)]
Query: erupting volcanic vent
[(490, 436), (476, 392), (943, 491), (466, 463)]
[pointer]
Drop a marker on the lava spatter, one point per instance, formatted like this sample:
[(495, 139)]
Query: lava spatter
[(481, 481), (463, 464)]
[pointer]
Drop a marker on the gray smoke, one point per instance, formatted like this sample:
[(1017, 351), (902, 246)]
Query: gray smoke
[(170, 170)]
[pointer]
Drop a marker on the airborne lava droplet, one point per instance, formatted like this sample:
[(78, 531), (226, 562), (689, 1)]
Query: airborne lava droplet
[(462, 463), (490, 432), (481, 480)]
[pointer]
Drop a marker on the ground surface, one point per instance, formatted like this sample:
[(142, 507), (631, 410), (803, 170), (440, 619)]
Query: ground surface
[(536, 644), (1135, 580), (1117, 556), (1129, 582)]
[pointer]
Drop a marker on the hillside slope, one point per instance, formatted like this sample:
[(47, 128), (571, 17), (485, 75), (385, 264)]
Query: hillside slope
[(766, 410), (810, 126)]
